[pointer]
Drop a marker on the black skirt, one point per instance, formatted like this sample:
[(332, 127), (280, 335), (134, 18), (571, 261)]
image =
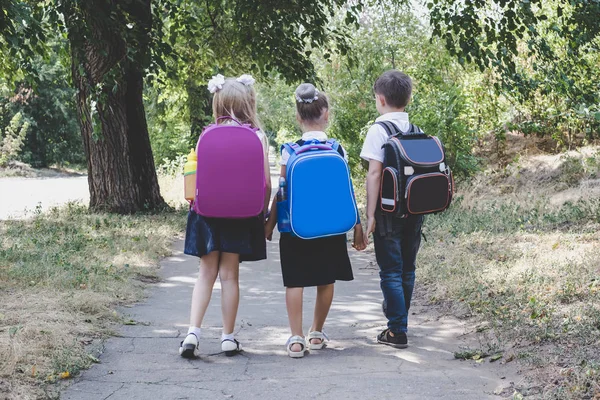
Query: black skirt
[(314, 262), (245, 237)]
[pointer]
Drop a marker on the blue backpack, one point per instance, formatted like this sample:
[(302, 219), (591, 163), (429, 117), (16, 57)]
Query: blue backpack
[(319, 198)]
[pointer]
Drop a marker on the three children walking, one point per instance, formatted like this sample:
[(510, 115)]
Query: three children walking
[(222, 243)]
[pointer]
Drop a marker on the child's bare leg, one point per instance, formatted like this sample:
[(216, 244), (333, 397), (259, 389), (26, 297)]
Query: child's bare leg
[(293, 301), (229, 272), (209, 267), (322, 306)]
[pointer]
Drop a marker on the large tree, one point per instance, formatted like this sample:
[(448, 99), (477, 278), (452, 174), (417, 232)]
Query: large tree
[(110, 49), (115, 44)]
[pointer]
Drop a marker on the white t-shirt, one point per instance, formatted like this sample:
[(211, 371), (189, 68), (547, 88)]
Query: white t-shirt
[(310, 135), (377, 136)]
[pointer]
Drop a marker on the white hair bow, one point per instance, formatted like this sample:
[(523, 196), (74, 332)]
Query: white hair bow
[(309, 100), (216, 83), (246, 79)]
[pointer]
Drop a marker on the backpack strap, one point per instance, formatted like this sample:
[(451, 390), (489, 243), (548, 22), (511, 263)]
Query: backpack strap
[(290, 147), (333, 143), (392, 129), (416, 130)]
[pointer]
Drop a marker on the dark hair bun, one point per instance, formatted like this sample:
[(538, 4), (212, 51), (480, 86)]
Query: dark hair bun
[(306, 93)]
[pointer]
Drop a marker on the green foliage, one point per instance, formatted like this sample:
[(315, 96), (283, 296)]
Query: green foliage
[(172, 167), (522, 29), (441, 105), (260, 37), (48, 105), (54, 137), (277, 111), (11, 139), (441, 112), (282, 30), (169, 129), (22, 36), (544, 55), (552, 116)]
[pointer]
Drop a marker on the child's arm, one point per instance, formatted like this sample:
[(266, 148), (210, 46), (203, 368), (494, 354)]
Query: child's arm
[(272, 221), (358, 242), (268, 188), (373, 183)]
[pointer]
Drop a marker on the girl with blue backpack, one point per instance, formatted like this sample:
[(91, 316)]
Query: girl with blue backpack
[(217, 231), (317, 261)]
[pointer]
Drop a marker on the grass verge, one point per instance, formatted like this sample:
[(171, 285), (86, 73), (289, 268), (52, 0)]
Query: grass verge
[(528, 269), (61, 275)]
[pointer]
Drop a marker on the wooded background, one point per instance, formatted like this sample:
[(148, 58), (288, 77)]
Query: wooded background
[(120, 86)]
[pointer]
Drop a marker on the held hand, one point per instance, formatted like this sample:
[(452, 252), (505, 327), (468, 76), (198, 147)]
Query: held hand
[(370, 229), (358, 243), (268, 232)]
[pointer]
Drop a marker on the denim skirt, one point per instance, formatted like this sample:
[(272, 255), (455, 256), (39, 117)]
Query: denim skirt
[(245, 237)]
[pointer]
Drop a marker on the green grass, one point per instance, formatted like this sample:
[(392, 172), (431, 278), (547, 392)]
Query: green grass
[(505, 217), (68, 247), (531, 272), (61, 275)]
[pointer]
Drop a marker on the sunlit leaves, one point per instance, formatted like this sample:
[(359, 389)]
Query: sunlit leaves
[(495, 33)]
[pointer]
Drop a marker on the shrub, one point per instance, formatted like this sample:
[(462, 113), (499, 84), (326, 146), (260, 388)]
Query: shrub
[(12, 139)]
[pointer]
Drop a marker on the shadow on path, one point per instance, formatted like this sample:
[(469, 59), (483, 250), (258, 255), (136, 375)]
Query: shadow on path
[(144, 362)]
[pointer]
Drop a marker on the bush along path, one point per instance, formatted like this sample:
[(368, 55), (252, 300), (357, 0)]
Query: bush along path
[(143, 359)]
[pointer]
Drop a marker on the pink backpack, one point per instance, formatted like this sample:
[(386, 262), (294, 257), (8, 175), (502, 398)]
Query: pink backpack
[(230, 175)]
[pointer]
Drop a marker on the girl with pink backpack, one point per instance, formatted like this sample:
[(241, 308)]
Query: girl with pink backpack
[(226, 221)]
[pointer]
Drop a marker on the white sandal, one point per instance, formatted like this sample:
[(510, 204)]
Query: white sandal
[(322, 336), (296, 340), (231, 347), (189, 347)]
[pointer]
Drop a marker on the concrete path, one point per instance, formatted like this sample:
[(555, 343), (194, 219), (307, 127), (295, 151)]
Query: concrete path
[(19, 197), (144, 363)]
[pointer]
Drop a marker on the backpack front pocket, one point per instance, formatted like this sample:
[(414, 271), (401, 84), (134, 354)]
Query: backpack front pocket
[(389, 189), (422, 152), (428, 193), (283, 216)]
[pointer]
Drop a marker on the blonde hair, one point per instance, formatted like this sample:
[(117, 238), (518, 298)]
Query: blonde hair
[(238, 101)]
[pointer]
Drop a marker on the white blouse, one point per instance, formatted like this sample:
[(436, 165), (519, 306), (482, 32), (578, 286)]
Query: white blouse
[(310, 135)]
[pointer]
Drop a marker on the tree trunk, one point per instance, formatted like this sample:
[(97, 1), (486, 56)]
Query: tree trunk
[(121, 172)]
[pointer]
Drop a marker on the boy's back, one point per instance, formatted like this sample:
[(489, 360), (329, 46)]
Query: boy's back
[(397, 240)]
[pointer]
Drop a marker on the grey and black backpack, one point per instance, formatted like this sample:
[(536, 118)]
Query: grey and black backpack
[(416, 179)]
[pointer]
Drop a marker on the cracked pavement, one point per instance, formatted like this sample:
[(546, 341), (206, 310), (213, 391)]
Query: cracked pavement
[(143, 362)]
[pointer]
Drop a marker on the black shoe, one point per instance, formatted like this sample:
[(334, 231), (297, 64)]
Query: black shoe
[(399, 340)]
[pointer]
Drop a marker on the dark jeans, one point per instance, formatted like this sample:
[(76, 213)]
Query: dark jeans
[(396, 255)]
